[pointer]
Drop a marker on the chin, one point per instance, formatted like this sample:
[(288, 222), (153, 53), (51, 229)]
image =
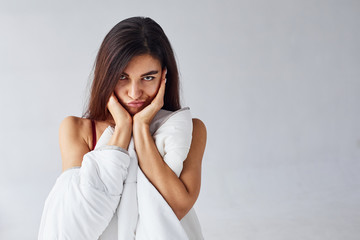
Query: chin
[(132, 112)]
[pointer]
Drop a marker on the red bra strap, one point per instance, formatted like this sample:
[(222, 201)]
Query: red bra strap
[(94, 133)]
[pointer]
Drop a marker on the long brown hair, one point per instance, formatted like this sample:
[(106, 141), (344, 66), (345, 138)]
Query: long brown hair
[(131, 37)]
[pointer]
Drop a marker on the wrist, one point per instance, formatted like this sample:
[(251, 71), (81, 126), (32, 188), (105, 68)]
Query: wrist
[(139, 127), (121, 136), (125, 130), (125, 121)]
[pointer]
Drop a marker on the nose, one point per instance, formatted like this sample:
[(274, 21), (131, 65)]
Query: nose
[(135, 90)]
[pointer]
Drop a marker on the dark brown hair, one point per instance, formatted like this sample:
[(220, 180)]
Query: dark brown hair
[(131, 37)]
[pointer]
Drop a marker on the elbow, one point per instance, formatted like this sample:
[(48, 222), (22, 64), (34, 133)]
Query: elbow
[(184, 204), (184, 207), (181, 212)]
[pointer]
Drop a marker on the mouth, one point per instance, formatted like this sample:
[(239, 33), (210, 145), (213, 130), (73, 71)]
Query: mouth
[(136, 104)]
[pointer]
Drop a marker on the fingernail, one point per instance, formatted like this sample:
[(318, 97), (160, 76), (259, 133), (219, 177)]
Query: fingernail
[(165, 80)]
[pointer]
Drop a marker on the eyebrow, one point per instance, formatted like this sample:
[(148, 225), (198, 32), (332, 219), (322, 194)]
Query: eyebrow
[(145, 74)]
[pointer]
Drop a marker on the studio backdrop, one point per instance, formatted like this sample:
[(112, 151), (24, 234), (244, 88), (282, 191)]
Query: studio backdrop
[(277, 84)]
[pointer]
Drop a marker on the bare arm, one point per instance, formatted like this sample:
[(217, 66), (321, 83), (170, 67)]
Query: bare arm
[(180, 193), (83, 200)]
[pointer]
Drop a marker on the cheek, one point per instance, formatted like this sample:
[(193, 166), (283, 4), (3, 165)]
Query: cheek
[(120, 93)]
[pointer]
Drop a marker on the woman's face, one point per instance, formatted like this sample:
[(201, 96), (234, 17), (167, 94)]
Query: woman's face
[(139, 83)]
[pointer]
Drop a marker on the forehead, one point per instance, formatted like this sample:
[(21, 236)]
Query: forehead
[(141, 64)]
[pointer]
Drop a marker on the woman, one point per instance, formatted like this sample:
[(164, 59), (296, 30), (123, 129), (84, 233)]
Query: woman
[(142, 175)]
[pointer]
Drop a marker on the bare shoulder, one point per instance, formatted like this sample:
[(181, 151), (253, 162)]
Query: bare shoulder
[(199, 129), (73, 140), (198, 142), (75, 127), (199, 124)]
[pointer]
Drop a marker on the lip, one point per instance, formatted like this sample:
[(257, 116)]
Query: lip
[(136, 103)]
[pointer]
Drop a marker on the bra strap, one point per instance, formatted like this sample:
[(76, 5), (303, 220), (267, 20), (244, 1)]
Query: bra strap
[(94, 133)]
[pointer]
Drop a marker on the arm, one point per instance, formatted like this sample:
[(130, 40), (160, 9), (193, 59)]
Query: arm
[(180, 193), (84, 199)]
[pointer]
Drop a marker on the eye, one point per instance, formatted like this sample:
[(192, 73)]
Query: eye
[(148, 78), (122, 77)]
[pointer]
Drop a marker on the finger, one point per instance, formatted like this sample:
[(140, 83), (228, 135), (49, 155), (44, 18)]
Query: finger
[(161, 92), (113, 102), (163, 76), (111, 99)]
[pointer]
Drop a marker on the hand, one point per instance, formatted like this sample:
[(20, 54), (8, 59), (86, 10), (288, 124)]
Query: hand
[(146, 115), (118, 112), (123, 123)]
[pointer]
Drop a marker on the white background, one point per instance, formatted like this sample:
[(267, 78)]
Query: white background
[(277, 84)]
